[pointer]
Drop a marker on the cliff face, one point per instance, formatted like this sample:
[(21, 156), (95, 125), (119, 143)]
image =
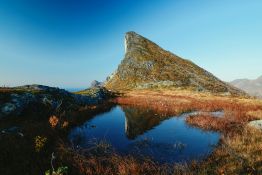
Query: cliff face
[(146, 65)]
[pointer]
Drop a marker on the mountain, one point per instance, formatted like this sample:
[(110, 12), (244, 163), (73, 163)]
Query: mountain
[(253, 87), (146, 65), (95, 84)]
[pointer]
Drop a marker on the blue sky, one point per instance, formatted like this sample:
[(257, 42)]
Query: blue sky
[(69, 43)]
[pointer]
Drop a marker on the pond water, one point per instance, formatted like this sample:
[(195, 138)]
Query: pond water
[(142, 132)]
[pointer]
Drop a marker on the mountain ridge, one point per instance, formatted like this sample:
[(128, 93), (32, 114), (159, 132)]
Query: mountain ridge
[(251, 86), (146, 65)]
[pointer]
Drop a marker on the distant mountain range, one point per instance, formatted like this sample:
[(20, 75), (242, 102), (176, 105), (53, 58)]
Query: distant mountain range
[(148, 66), (253, 87)]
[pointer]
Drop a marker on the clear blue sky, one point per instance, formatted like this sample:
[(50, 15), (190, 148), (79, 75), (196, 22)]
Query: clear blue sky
[(69, 43)]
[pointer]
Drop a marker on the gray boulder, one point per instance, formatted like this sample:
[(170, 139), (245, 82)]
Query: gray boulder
[(96, 84), (256, 124), (8, 108)]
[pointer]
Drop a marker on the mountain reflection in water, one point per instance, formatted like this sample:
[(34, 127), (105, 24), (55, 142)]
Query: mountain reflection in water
[(138, 121), (143, 132)]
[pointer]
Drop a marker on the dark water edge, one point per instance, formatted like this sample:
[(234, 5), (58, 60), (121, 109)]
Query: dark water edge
[(144, 133)]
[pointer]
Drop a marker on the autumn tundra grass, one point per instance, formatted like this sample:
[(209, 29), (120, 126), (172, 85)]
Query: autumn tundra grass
[(240, 147), (239, 150)]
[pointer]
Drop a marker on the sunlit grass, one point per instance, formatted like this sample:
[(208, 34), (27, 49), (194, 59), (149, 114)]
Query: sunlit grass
[(239, 150)]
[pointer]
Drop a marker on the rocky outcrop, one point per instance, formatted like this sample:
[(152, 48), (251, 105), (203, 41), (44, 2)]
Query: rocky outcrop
[(146, 65), (13, 130), (92, 95), (95, 84), (256, 124), (13, 101), (16, 103)]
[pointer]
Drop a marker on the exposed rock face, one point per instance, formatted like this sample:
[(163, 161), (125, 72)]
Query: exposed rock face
[(95, 95), (95, 84), (13, 101), (253, 87), (146, 65)]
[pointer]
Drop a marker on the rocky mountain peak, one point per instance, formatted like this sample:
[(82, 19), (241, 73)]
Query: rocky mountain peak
[(137, 43), (132, 41), (146, 66), (129, 37), (132, 38)]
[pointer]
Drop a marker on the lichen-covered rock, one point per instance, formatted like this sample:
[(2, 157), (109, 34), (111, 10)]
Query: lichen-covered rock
[(158, 84), (256, 124), (13, 101), (8, 108)]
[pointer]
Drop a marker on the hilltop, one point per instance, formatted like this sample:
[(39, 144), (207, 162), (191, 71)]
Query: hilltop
[(253, 87), (148, 66), (16, 100)]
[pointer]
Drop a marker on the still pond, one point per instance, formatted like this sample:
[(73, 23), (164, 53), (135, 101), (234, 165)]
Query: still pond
[(142, 132)]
